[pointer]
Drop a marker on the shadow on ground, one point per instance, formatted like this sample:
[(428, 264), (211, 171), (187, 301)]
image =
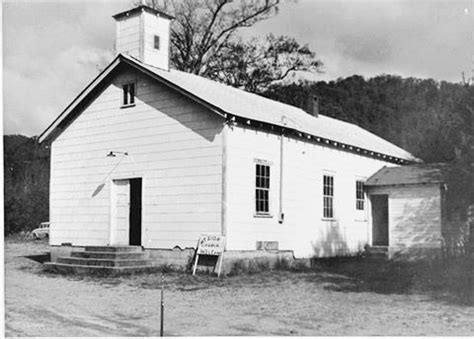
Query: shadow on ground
[(449, 281), (39, 258)]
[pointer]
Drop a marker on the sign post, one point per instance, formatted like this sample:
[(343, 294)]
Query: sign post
[(212, 245)]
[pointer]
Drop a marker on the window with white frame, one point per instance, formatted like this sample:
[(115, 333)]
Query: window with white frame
[(262, 188), (128, 94), (328, 196), (359, 195)]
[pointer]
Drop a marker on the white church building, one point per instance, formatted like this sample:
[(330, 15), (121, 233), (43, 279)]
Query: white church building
[(150, 156)]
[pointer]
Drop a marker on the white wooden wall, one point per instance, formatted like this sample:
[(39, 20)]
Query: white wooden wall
[(154, 25), (414, 213), (304, 229), (173, 144), (127, 36)]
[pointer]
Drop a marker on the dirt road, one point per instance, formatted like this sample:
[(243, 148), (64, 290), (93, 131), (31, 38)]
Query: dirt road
[(271, 304)]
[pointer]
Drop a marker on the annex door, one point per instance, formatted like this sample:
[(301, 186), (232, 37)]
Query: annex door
[(126, 218), (379, 219)]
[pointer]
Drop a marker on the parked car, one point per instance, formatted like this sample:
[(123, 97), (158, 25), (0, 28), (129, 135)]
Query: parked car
[(42, 231)]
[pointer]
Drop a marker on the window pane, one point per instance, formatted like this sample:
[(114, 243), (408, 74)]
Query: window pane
[(125, 95), (262, 185), (132, 93)]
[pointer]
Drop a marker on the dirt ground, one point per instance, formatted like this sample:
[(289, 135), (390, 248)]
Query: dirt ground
[(270, 304)]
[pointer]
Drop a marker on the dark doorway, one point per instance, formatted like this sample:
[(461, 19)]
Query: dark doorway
[(136, 212), (379, 220)]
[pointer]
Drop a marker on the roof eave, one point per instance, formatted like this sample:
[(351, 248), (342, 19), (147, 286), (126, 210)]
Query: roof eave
[(213, 108), (405, 184)]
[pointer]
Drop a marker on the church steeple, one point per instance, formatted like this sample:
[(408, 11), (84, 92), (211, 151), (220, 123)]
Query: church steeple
[(144, 33)]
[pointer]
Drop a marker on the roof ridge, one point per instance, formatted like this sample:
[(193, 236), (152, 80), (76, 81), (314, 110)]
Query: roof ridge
[(235, 89)]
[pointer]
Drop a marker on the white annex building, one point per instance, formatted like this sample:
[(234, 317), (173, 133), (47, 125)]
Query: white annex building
[(151, 156)]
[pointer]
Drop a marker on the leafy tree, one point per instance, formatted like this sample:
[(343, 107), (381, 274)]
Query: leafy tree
[(26, 180), (204, 42)]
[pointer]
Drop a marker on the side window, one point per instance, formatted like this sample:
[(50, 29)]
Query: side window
[(262, 188), (359, 195), (128, 94), (156, 42), (328, 196)]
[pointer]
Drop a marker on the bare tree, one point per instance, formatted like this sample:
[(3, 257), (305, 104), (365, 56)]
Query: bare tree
[(255, 64), (204, 42)]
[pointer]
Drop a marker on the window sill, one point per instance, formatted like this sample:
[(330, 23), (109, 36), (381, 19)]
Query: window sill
[(127, 106), (262, 215), (328, 219)]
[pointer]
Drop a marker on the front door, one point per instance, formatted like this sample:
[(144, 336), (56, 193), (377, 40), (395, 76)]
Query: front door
[(120, 219), (379, 219), (135, 233), (126, 218)]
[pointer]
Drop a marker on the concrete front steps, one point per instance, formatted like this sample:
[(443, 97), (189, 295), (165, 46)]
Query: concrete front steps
[(104, 260), (376, 252)]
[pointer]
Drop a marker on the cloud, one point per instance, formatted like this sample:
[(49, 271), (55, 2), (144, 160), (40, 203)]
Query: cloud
[(411, 38), (50, 58)]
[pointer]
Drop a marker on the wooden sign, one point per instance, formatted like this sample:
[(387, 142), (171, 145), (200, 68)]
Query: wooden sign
[(209, 244)]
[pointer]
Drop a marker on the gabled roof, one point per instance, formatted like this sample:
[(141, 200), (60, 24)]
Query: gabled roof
[(229, 101), (407, 175), (139, 9)]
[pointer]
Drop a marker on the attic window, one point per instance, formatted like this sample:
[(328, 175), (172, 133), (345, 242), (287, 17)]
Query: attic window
[(128, 95), (156, 42)]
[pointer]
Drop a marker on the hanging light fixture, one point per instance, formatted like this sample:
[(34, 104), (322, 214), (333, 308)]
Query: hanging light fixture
[(114, 153)]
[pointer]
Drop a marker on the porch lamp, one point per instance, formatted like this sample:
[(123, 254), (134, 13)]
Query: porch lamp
[(114, 153)]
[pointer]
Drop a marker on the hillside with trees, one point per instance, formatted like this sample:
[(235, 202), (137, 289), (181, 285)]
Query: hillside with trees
[(432, 120)]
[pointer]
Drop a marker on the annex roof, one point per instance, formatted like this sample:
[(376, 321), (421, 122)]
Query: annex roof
[(407, 175), (227, 100)]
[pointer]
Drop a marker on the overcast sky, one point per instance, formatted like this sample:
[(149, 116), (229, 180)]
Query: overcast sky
[(51, 50)]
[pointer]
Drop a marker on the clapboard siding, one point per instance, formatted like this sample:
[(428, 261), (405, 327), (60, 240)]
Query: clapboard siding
[(173, 144), (305, 163), (127, 40), (414, 215), (160, 27)]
